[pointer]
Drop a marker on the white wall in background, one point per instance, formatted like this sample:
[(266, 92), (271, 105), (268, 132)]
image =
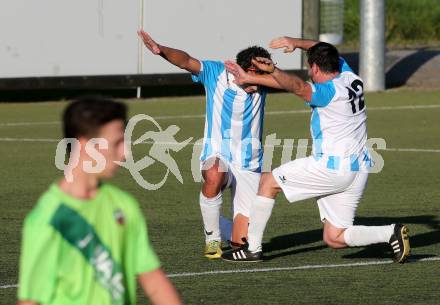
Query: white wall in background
[(98, 37)]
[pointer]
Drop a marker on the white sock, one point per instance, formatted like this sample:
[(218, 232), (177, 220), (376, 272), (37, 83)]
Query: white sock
[(261, 209), (357, 236), (210, 208)]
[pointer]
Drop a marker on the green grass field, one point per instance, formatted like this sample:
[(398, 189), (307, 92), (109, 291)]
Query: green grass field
[(407, 190)]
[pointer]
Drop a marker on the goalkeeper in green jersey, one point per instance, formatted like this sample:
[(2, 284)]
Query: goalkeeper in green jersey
[(86, 242)]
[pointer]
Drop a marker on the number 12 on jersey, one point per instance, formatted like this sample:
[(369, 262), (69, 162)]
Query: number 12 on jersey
[(356, 95)]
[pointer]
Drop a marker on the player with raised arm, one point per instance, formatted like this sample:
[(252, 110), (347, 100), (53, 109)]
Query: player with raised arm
[(232, 150), (86, 241), (337, 172)]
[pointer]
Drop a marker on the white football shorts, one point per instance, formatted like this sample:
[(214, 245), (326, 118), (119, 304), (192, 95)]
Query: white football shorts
[(243, 185), (338, 193)]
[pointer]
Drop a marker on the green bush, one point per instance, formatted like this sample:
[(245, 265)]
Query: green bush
[(407, 21)]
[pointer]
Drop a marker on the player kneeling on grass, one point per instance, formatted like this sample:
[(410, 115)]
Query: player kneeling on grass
[(232, 153), (85, 242), (336, 173)]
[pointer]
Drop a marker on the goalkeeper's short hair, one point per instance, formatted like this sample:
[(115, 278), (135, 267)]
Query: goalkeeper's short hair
[(85, 116), (244, 57)]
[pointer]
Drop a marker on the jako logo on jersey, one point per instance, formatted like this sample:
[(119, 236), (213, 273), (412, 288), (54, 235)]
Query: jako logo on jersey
[(119, 216)]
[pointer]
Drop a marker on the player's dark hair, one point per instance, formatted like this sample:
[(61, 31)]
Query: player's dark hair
[(245, 56), (325, 56), (85, 116)]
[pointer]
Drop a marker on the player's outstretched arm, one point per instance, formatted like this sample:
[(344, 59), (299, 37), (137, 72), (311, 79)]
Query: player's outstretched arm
[(26, 303), (177, 57), (158, 288), (290, 44), (289, 82), (242, 78)]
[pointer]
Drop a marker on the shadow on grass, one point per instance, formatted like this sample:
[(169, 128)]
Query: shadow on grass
[(286, 242), (399, 74), (293, 240), (399, 69), (293, 252)]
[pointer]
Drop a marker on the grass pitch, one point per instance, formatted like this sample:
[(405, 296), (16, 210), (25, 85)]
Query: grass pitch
[(407, 191)]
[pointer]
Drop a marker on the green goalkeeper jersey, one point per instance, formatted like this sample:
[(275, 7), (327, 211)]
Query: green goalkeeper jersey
[(84, 252)]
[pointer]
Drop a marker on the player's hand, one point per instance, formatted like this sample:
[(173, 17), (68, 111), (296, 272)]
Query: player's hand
[(264, 64), (149, 42), (288, 43), (240, 76)]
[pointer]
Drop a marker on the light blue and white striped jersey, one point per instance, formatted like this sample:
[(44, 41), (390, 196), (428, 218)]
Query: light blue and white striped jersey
[(234, 118), (339, 121)]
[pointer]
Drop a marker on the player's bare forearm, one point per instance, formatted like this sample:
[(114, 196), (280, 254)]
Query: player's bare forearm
[(289, 82), (242, 78), (180, 59), (158, 288), (305, 44), (293, 83), (265, 80), (290, 44)]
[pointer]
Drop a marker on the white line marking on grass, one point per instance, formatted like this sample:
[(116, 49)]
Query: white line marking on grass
[(29, 123), (422, 150), (404, 107), (306, 267), (201, 116), (28, 140), (427, 150), (8, 286), (276, 269)]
